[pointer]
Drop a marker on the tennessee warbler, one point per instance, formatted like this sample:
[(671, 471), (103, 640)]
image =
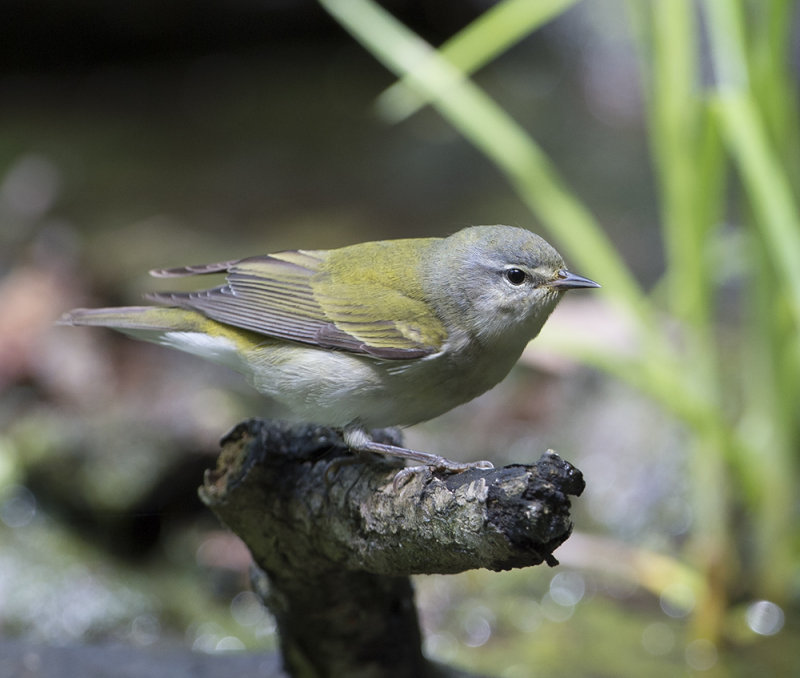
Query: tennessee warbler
[(386, 333)]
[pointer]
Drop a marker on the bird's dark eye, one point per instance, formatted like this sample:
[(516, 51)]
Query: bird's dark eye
[(515, 276)]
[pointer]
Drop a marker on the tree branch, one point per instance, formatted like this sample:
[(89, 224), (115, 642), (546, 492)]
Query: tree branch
[(336, 541)]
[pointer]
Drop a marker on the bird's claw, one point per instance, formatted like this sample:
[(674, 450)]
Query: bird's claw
[(335, 464), (441, 464)]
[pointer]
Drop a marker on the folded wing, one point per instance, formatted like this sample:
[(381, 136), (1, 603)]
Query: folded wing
[(287, 295)]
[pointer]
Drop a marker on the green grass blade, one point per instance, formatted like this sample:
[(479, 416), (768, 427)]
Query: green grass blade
[(491, 34), (745, 134)]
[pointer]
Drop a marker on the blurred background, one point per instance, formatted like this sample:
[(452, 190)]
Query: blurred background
[(655, 143)]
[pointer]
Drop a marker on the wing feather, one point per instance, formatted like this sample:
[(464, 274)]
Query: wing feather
[(275, 295)]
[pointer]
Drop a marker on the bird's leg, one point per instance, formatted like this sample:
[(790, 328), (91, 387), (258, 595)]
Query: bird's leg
[(358, 440)]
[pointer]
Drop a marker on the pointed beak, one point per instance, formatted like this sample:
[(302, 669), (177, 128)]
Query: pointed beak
[(570, 281)]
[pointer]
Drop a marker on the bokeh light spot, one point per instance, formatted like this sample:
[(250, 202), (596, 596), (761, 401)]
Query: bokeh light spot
[(765, 618), (701, 654)]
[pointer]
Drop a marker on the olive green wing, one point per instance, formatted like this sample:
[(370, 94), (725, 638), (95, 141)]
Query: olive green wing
[(289, 295)]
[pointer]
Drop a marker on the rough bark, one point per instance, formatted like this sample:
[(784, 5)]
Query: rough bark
[(334, 543)]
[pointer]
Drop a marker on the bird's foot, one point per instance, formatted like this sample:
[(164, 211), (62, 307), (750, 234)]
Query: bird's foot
[(358, 440), (441, 464)]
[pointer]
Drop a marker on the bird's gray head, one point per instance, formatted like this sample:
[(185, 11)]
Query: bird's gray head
[(498, 281)]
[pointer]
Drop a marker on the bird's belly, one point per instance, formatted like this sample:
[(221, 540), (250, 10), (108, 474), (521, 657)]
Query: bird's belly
[(337, 388)]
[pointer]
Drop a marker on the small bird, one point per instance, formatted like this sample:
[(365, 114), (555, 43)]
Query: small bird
[(385, 333)]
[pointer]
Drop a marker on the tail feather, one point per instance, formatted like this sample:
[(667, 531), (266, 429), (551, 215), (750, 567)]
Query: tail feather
[(179, 328), (135, 318)]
